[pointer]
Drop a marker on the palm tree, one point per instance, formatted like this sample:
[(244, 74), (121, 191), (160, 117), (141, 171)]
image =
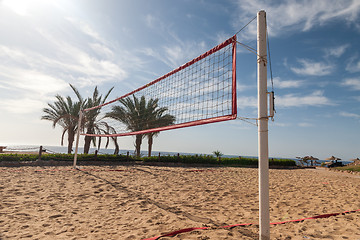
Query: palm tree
[(132, 114), (117, 148), (91, 123), (139, 115), (102, 127), (64, 112), (218, 154), (159, 119)]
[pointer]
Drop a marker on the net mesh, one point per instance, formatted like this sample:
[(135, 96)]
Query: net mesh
[(199, 92)]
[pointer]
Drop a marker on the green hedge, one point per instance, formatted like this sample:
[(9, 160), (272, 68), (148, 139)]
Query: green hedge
[(196, 159), (355, 168), (64, 157), (18, 157), (192, 159), (209, 159)]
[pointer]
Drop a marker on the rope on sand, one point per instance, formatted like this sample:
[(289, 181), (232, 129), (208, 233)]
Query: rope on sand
[(172, 234), (85, 169), (201, 170)]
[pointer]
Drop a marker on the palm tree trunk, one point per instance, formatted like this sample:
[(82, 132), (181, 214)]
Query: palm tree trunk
[(150, 143), (87, 142), (117, 149), (138, 144), (71, 137)]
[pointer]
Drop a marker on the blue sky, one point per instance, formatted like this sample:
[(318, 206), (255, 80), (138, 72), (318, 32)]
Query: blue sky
[(315, 53)]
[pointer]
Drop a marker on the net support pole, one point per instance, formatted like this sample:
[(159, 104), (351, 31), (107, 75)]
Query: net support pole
[(77, 138), (263, 155)]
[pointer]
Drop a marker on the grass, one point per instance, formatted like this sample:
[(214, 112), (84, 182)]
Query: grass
[(187, 159), (63, 157), (355, 168)]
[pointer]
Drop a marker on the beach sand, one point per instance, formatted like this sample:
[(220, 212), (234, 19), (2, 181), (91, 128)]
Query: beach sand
[(139, 202)]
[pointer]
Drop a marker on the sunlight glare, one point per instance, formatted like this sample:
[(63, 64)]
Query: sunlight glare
[(23, 7)]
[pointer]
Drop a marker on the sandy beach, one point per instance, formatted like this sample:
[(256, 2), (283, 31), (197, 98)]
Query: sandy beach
[(140, 202)]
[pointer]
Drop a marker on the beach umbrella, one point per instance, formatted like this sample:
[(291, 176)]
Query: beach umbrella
[(332, 158), (313, 159), (308, 158), (355, 161)]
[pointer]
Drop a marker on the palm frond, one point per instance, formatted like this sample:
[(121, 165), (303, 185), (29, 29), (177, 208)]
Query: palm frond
[(77, 93)]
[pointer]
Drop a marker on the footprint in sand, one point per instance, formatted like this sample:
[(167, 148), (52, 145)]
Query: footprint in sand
[(56, 216)]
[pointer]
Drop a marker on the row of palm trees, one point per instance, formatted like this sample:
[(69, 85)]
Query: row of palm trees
[(136, 114)]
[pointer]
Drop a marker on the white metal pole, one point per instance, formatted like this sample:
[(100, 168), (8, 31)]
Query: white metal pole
[(77, 138), (264, 215)]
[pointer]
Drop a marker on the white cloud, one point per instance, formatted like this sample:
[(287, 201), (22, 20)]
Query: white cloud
[(150, 20), (242, 87), (221, 37), (51, 56), (174, 51), (20, 7), (85, 28), (162, 27), (353, 65), (149, 52), (288, 83), (102, 50), (22, 106), (26, 70), (312, 68), (28, 9), (74, 64), (304, 124), (243, 102), (175, 55), (11, 53), (316, 98), (103, 69), (295, 15), (353, 83), (279, 124), (31, 80), (351, 115), (336, 51)]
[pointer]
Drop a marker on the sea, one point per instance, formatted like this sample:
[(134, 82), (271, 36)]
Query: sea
[(63, 149)]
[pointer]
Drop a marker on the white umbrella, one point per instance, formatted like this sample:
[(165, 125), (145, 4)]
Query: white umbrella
[(308, 158), (332, 158)]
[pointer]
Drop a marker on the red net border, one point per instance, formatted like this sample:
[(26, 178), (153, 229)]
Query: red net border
[(232, 116)]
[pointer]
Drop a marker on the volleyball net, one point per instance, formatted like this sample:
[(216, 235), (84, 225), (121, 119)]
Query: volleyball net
[(199, 92)]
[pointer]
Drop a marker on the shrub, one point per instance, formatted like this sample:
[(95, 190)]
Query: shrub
[(64, 157), (355, 168), (188, 159)]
